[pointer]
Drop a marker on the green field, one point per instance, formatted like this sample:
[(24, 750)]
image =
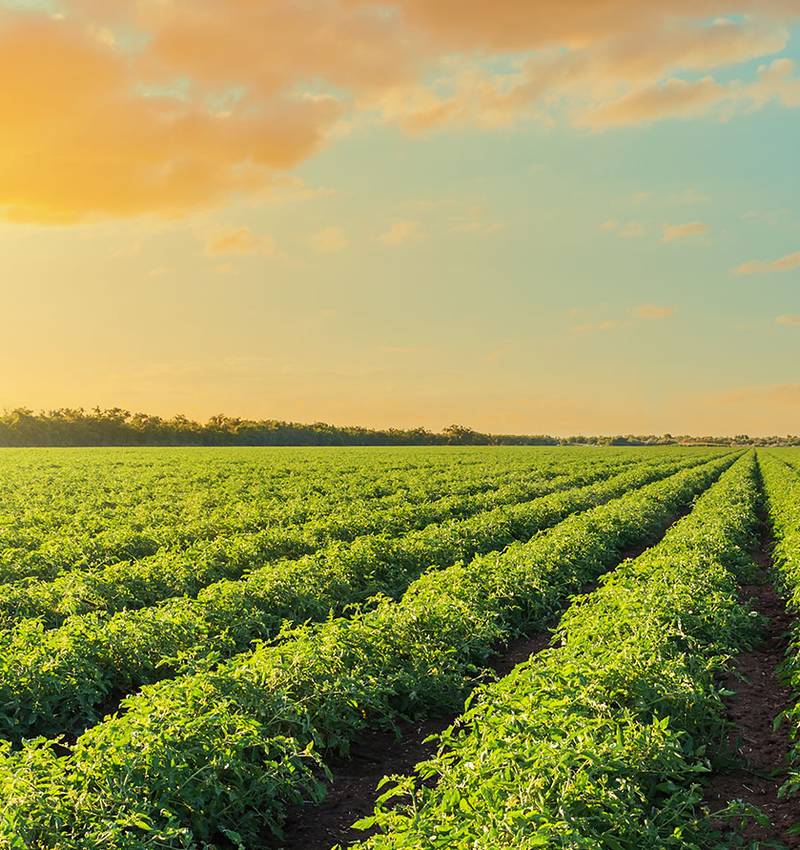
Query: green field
[(198, 644)]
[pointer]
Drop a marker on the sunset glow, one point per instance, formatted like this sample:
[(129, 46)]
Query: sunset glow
[(528, 216)]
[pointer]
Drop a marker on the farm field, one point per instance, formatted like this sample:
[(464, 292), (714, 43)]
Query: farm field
[(524, 647)]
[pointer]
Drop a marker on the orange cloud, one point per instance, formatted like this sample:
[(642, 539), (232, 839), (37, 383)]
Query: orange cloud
[(473, 220), (634, 60), (782, 264), (521, 24), (690, 230), (79, 140), (625, 230), (776, 82), (402, 231), (239, 241), (644, 312), (674, 98), (652, 311), (679, 98), (174, 106), (329, 240), (591, 327)]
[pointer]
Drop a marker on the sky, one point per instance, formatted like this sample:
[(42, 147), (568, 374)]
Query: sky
[(525, 216)]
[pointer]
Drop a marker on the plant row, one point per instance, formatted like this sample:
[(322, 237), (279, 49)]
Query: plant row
[(135, 584), (782, 489), (602, 740), (224, 752), (153, 513), (57, 680)]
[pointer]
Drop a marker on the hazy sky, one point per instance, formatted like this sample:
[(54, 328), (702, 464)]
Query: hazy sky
[(522, 215)]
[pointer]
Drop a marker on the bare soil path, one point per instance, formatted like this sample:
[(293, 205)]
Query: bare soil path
[(759, 751), (353, 792)]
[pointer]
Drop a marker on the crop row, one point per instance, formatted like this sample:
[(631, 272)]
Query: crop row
[(601, 740), (184, 572), (223, 752), (83, 514), (782, 487), (51, 680), (178, 513)]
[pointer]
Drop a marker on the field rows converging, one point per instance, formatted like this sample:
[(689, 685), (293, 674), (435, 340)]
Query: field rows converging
[(59, 680), (177, 572), (615, 720), (117, 521), (596, 638), (782, 490), (399, 439), (258, 720)]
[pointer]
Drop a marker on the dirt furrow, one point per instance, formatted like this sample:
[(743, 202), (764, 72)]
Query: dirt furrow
[(758, 750), (353, 792)]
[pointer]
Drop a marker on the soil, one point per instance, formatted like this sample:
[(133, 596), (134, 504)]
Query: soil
[(377, 754), (759, 752)]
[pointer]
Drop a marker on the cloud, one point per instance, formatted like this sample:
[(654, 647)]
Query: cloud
[(287, 189), (782, 264), (592, 327), (474, 220), (776, 82), (402, 231), (691, 197), (680, 98), (629, 78), (329, 240), (175, 107), (117, 152), (128, 250), (787, 395), (640, 313), (767, 216), (674, 98), (239, 241), (788, 320), (515, 25), (652, 311), (625, 230), (690, 230)]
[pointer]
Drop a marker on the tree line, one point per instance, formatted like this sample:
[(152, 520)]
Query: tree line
[(118, 427)]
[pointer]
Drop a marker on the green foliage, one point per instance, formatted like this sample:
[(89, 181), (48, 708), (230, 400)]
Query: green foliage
[(52, 680), (118, 427), (782, 486), (215, 548), (223, 751), (603, 740)]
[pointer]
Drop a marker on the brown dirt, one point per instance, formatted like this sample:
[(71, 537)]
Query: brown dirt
[(759, 752), (352, 795), (377, 754)]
